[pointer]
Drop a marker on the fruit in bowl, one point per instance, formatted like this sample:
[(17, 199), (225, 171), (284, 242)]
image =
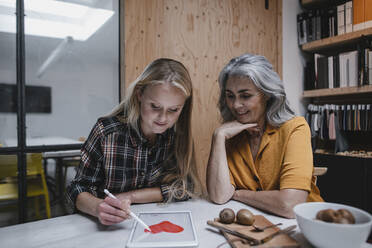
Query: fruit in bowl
[(342, 216), (338, 234)]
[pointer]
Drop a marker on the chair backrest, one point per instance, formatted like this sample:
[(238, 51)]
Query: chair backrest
[(9, 165), (319, 171)]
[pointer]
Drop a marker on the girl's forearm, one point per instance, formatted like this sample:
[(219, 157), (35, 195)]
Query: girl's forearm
[(145, 195)]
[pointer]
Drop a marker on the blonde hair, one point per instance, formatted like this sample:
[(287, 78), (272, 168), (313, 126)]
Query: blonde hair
[(160, 71)]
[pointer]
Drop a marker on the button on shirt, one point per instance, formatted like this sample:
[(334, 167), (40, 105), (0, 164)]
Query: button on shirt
[(119, 159)]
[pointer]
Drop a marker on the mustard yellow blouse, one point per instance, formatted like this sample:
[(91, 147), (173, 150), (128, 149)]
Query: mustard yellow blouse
[(284, 160)]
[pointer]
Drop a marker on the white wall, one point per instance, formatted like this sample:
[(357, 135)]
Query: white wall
[(293, 63), (78, 98)]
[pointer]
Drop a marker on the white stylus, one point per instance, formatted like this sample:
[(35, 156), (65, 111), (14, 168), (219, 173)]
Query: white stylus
[(130, 212)]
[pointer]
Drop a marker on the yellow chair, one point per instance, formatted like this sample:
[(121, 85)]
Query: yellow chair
[(36, 183)]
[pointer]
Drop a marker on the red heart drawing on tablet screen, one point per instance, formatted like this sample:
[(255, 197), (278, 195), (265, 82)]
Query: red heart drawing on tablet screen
[(165, 226)]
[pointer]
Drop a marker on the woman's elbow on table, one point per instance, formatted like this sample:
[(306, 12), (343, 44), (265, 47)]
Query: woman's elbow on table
[(220, 197), (219, 200), (286, 210), (290, 198)]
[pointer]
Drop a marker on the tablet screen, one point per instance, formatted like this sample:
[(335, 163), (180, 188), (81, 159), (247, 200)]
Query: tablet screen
[(169, 229)]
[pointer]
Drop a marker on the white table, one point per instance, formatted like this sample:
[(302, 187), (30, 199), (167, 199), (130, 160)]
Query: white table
[(45, 140), (82, 231), (42, 141)]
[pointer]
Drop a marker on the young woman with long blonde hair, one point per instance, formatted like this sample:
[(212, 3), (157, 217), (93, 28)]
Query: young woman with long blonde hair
[(143, 150)]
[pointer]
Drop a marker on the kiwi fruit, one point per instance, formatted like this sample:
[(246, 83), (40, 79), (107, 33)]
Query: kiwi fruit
[(346, 214), (327, 215), (341, 216), (341, 220), (245, 217), (227, 216)]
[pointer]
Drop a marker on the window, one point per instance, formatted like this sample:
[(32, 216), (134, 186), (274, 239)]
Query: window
[(71, 71)]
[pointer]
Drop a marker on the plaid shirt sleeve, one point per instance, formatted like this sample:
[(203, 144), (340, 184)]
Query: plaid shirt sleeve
[(90, 172)]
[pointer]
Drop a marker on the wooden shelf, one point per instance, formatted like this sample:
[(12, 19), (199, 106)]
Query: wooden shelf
[(338, 91), (342, 155), (312, 4), (336, 41)]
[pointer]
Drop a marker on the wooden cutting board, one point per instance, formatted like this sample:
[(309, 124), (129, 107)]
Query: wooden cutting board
[(281, 240)]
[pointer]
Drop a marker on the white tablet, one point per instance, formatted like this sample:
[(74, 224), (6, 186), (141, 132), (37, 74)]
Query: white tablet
[(170, 229)]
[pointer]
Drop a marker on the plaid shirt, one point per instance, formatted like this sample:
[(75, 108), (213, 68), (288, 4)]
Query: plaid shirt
[(119, 159)]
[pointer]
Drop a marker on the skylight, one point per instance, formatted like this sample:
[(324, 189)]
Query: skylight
[(56, 19)]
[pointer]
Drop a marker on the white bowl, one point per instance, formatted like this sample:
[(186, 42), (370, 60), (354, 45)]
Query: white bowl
[(328, 235)]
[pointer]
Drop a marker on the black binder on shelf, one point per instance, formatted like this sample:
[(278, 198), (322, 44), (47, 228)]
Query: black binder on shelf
[(309, 73), (301, 29), (366, 65), (318, 24), (363, 49), (322, 68), (336, 72), (310, 25), (332, 21), (324, 24)]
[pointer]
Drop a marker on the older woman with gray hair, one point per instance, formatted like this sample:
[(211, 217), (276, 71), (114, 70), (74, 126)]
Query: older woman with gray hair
[(261, 154)]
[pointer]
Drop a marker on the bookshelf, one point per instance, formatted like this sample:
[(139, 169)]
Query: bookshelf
[(311, 4), (338, 91), (354, 164), (334, 42)]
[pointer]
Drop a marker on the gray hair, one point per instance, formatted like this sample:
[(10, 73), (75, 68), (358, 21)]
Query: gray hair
[(259, 70)]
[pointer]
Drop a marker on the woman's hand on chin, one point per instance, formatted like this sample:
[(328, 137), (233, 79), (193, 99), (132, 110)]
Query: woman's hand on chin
[(230, 129)]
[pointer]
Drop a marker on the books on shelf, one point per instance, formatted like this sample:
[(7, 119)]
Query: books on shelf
[(358, 15), (349, 16), (364, 65), (301, 29), (330, 72), (334, 20), (370, 66), (343, 61), (362, 14), (341, 19), (316, 24), (331, 20), (322, 69), (336, 71), (347, 69), (368, 13)]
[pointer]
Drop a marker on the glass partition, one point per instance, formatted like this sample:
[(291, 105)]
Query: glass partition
[(72, 56), (8, 75), (72, 79)]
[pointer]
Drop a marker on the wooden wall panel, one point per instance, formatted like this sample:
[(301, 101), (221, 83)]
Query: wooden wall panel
[(204, 35)]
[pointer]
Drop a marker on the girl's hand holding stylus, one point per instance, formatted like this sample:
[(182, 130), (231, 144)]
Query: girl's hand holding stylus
[(111, 211)]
